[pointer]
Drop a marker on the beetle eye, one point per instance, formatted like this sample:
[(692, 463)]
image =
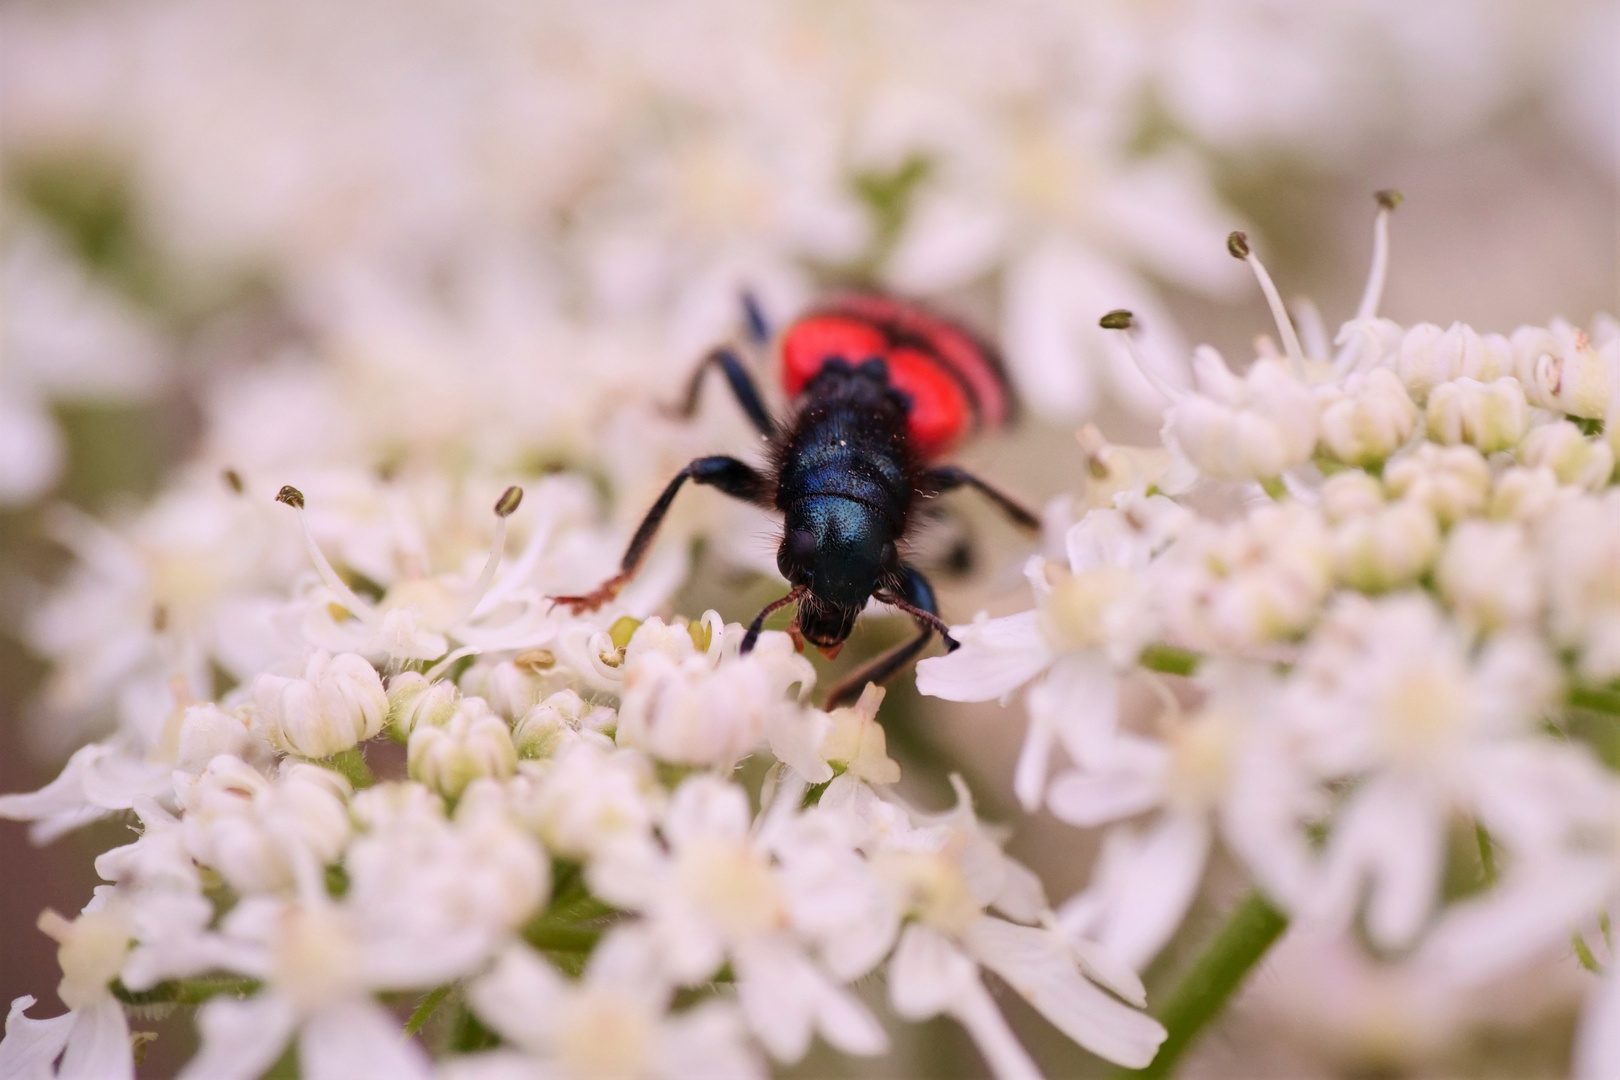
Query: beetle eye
[(801, 546)]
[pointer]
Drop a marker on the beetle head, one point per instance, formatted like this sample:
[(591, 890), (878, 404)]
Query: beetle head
[(838, 549)]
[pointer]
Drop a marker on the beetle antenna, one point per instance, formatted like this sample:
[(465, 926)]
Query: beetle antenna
[(1374, 293), (1238, 245), (927, 618), (759, 620)]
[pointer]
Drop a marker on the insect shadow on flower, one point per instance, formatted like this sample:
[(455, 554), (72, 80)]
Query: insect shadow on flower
[(882, 389)]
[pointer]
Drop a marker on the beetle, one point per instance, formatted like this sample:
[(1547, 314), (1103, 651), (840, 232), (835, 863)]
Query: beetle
[(882, 389)]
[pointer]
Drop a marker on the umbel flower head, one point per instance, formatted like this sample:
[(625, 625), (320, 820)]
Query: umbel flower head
[(573, 862), (1384, 577)]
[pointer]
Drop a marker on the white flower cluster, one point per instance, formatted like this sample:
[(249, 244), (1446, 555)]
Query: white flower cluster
[(563, 859), (459, 188), (1390, 576)]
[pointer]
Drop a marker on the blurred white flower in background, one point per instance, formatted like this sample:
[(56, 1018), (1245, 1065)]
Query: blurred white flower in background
[(67, 338)]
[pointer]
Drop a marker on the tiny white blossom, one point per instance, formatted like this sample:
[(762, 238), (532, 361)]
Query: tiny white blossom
[(473, 742), (338, 703)]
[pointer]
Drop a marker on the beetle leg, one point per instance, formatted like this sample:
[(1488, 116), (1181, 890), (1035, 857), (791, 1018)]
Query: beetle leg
[(916, 598), (759, 328), (735, 478), (943, 478), (742, 388)]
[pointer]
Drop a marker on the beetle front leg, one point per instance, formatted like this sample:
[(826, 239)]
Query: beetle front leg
[(735, 478)]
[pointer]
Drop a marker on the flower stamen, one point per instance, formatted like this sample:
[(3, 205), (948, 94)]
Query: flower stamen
[(294, 498), (1388, 200), (505, 507), (1122, 321), (1238, 245)]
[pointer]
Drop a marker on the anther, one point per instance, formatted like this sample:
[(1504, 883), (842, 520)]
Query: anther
[(1238, 245), (1118, 319), (508, 503), (1122, 321), (294, 498), (1389, 198), (504, 507), (233, 480)]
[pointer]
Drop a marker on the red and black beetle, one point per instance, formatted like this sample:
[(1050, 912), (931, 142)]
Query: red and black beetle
[(882, 389)]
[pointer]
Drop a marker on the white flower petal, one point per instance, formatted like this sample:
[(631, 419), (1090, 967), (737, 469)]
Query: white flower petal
[(1155, 887), (1090, 799), (1080, 697), (1597, 1042), (32, 1046), (1034, 762), (976, 1011), (99, 1046), (706, 1042), (240, 1039), (359, 1040), (1038, 965), (1531, 911), (518, 996), (997, 656), (927, 973)]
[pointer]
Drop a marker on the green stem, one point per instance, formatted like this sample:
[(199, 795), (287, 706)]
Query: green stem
[(425, 1010), (1215, 976), (1598, 700), (185, 991), (553, 938)]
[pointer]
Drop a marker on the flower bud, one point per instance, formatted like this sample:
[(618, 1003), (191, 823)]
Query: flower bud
[(695, 712), (1452, 481), (1573, 458), (414, 701), (1562, 371), (1259, 579), (1429, 356), (1491, 416), (588, 798), (1368, 343), (1351, 493), (1369, 419), (474, 742), (1488, 575), (1386, 549), (1522, 494), (513, 687), (339, 702), (560, 716), (1253, 428), (246, 826), (207, 731)]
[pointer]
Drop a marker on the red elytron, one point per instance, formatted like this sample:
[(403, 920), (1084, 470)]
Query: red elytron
[(955, 382)]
